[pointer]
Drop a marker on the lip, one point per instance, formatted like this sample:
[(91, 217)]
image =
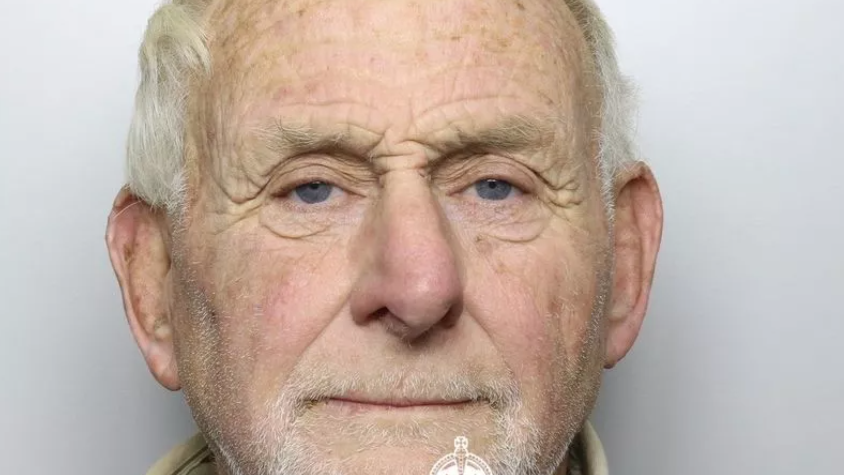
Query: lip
[(398, 403), (358, 403)]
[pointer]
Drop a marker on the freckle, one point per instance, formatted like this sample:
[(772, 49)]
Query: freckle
[(483, 245), (520, 6), (456, 37)]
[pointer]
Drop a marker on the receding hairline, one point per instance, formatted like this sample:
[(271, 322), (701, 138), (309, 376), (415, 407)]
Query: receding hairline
[(520, 125), (175, 54), (216, 13)]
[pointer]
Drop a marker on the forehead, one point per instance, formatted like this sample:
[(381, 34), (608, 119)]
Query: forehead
[(395, 61), (237, 24)]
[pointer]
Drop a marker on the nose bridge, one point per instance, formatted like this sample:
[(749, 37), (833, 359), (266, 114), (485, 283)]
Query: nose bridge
[(413, 279), (416, 236)]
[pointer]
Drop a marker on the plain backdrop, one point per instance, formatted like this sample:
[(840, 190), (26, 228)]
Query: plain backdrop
[(737, 369)]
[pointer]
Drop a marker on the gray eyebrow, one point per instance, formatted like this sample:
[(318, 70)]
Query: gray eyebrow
[(288, 138), (516, 133)]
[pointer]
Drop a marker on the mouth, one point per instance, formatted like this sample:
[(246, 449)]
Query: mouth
[(357, 404)]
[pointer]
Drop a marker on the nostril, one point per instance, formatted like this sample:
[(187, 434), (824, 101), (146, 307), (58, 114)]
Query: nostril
[(410, 279), (453, 314), (381, 313)]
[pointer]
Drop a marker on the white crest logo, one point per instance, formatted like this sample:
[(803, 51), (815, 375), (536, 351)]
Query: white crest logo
[(461, 462)]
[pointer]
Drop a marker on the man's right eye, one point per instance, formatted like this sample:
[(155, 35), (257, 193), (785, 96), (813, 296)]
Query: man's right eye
[(314, 192)]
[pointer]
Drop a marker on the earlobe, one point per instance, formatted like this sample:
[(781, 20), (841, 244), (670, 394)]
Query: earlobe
[(136, 243), (637, 232)]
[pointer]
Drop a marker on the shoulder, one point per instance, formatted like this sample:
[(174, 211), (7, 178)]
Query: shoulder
[(193, 457)]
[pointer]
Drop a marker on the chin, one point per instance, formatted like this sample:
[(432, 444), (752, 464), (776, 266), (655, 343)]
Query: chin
[(383, 461), (332, 439), (397, 434)]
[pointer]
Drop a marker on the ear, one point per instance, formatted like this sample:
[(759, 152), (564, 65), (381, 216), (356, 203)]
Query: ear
[(141, 260), (637, 231)]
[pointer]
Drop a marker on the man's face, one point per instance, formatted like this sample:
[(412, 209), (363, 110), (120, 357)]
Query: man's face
[(394, 236)]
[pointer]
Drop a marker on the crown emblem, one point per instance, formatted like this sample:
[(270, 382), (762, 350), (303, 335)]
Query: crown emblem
[(461, 462)]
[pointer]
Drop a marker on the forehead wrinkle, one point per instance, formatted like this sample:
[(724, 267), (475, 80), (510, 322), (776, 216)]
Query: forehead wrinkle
[(558, 45), (516, 133)]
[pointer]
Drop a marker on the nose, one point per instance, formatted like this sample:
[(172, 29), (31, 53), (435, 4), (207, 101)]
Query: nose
[(410, 279)]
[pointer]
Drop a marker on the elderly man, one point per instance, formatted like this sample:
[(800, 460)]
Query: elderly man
[(357, 232)]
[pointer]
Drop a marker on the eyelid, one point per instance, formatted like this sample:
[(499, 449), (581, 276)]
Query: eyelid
[(288, 189), (514, 184), (294, 175), (286, 196), (459, 175)]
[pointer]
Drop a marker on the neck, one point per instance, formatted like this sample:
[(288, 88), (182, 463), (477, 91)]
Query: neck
[(573, 461), (563, 469)]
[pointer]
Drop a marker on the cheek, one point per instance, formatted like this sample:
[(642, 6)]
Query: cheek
[(535, 301), (271, 298)]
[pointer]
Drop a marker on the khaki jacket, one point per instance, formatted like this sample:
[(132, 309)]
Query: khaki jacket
[(194, 458)]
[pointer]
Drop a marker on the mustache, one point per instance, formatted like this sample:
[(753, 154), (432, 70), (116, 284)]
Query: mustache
[(309, 384)]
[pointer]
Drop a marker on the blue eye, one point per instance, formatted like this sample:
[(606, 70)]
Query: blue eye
[(493, 190), (314, 192)]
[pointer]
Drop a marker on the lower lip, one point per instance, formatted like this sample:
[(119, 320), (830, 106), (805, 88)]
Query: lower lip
[(356, 407)]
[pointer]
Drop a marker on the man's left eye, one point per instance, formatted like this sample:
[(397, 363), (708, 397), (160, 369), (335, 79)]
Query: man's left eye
[(314, 192), (494, 189)]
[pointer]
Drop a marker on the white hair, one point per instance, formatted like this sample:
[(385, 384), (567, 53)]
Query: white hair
[(175, 51)]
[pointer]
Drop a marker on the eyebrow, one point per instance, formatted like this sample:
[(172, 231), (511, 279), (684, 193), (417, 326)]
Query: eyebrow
[(289, 138), (513, 134)]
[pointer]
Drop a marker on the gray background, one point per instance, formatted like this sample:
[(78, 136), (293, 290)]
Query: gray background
[(737, 370)]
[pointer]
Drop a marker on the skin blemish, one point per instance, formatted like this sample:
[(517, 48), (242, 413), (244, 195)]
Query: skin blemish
[(482, 244), (128, 255), (258, 311)]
